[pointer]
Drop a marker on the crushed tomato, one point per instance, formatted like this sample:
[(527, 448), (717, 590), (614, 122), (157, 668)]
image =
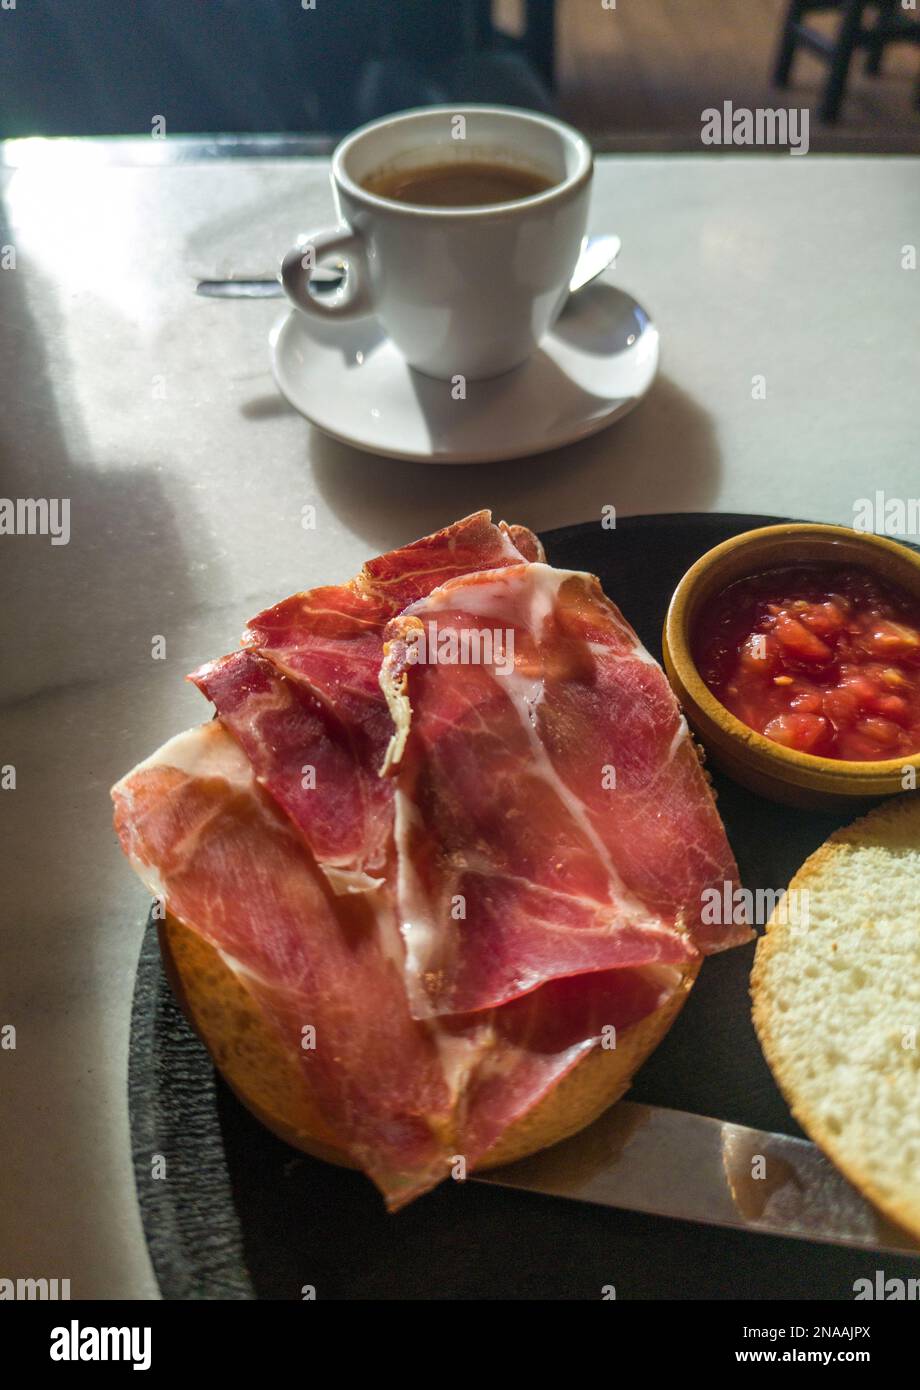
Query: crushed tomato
[(820, 658)]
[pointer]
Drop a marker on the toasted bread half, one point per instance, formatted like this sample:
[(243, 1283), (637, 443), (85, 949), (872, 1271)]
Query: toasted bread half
[(837, 1004), (269, 1082)]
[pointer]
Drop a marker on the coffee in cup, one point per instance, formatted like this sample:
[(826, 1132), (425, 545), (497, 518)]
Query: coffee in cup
[(459, 228), (456, 184)]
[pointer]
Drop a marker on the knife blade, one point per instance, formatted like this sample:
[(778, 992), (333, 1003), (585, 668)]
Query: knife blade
[(670, 1163)]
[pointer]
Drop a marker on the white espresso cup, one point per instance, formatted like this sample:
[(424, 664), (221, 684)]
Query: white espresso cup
[(461, 291)]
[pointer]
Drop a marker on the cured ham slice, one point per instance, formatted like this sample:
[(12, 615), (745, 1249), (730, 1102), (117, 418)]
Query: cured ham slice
[(525, 1048), (460, 863), (304, 698), (318, 764), (404, 1098), (524, 541), (231, 866), (552, 817)]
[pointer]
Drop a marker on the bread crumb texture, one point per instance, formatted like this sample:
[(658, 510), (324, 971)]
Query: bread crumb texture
[(837, 1005)]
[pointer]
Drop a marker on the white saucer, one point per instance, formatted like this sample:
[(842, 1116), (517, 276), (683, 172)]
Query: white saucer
[(350, 381)]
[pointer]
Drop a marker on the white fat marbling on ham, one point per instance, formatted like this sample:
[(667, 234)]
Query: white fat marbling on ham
[(512, 864), (202, 751)]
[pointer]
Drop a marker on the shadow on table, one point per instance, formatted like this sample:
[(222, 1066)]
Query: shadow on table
[(76, 622), (662, 457)]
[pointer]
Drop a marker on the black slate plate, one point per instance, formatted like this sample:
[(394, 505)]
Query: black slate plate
[(241, 1215)]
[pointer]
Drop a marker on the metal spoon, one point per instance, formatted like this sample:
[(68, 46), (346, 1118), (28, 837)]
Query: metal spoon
[(597, 253)]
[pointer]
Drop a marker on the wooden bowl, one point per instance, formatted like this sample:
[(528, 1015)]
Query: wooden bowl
[(782, 774)]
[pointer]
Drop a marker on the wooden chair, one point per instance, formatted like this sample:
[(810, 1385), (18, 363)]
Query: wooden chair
[(892, 24)]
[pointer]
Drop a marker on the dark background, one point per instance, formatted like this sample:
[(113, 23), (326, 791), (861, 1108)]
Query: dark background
[(634, 77)]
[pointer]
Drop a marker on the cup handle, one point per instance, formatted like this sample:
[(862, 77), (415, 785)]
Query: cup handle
[(349, 301)]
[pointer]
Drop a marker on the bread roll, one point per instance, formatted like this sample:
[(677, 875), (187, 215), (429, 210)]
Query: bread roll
[(837, 1005), (271, 1085)]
